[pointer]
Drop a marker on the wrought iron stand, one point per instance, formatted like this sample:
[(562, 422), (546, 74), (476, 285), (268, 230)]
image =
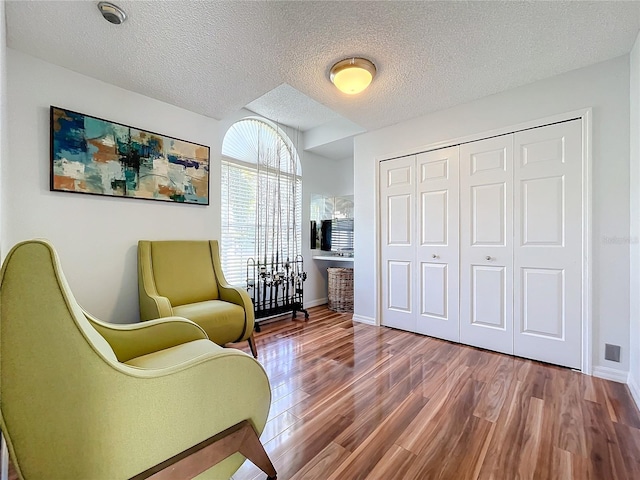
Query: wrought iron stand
[(276, 287)]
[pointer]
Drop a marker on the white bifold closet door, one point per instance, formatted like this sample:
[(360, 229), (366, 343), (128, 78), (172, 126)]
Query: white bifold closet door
[(521, 243), (397, 238), (437, 247), (419, 237), (482, 243), (486, 243), (548, 243)]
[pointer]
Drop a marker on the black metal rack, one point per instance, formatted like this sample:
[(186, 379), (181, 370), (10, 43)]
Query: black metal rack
[(276, 287)]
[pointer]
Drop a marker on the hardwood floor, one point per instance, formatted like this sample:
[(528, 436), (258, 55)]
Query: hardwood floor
[(353, 401)]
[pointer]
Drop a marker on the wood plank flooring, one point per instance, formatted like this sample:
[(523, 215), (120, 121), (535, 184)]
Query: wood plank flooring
[(353, 401)]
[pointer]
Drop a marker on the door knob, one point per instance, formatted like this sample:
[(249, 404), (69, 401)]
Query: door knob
[(488, 257), (434, 256)]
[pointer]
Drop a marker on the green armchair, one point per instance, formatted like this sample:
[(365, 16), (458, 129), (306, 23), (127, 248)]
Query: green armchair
[(184, 278), (84, 399)]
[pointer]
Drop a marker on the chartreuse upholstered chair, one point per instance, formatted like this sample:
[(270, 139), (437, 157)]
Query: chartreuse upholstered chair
[(184, 278), (84, 399)]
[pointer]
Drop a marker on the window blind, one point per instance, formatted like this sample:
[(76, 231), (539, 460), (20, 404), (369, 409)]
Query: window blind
[(244, 223), (342, 235)]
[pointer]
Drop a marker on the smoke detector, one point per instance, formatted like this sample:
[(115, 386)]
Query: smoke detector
[(112, 13)]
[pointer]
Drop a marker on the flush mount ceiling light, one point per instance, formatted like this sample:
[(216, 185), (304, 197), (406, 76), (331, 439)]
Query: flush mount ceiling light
[(352, 75), (112, 13)]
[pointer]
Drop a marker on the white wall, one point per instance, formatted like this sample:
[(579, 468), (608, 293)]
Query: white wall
[(634, 230), (605, 87), (95, 236), (328, 177), (3, 99)]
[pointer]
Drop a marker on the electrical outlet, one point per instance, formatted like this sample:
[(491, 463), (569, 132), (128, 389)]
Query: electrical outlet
[(612, 352)]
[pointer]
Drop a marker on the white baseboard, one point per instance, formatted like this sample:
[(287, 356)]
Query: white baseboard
[(634, 389), (363, 319), (612, 374), (315, 303)]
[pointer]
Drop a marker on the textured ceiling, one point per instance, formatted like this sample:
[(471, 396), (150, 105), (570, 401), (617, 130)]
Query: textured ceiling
[(286, 105), (216, 57)]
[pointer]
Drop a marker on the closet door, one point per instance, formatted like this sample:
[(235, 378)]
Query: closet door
[(437, 248), (548, 244), (486, 244), (397, 242)]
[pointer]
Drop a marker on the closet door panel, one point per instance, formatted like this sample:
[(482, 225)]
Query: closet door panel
[(488, 209), (548, 243), (397, 241), (399, 221), (543, 308), (434, 288), (486, 243), (542, 211), (399, 286), (488, 298), (434, 221), (437, 253)]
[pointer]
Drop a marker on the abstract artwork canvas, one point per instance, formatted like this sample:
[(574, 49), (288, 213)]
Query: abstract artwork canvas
[(96, 156)]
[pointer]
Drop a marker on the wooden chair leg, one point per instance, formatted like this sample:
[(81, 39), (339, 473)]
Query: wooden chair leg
[(4, 458), (252, 346), (241, 437), (254, 451)]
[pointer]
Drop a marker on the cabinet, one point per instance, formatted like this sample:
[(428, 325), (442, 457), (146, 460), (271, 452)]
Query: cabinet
[(482, 243)]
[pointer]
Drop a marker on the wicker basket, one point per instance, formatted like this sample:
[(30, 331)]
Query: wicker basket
[(340, 289)]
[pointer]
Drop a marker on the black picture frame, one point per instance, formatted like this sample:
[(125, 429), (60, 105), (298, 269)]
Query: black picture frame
[(91, 155)]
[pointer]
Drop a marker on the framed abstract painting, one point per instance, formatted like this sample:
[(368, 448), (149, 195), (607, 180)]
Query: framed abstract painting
[(100, 157)]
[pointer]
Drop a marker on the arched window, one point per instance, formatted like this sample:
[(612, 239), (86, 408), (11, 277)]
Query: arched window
[(261, 193)]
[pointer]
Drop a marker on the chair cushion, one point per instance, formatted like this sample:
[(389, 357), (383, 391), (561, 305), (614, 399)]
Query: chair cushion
[(223, 321), (175, 355), (183, 271)]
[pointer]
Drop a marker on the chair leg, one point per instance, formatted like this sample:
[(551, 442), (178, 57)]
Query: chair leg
[(241, 437), (252, 346), (4, 458), (254, 451)]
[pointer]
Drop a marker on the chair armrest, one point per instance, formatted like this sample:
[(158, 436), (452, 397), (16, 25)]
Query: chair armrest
[(231, 294), (240, 297), (236, 295), (136, 339), (152, 304), (192, 400), (142, 417)]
